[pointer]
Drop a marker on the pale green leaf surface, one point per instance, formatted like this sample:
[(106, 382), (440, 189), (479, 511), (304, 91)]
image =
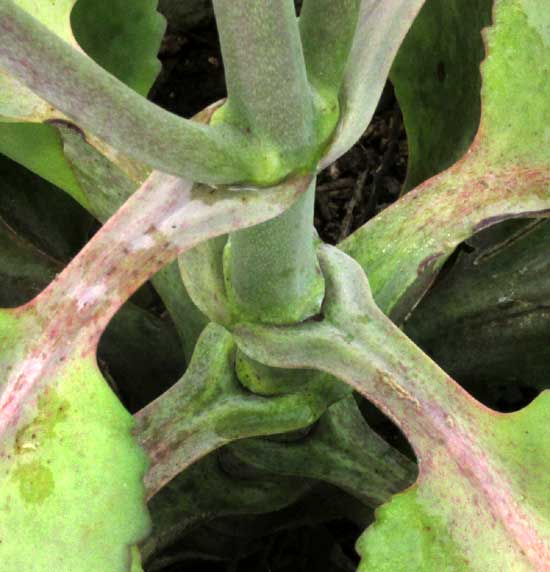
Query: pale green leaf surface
[(39, 149), (426, 528), (483, 476), (55, 453), (16, 101), (504, 174)]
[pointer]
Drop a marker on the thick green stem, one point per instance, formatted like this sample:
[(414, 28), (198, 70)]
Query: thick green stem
[(268, 91), (99, 103), (271, 270)]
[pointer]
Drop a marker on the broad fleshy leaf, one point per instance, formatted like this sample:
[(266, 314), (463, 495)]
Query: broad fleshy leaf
[(60, 424), (57, 445), (437, 83), (483, 476), (486, 321), (505, 173), (123, 38)]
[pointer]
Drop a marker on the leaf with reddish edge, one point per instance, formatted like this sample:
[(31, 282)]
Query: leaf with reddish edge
[(381, 27), (135, 29), (121, 119), (41, 229), (60, 425), (485, 321), (505, 174), (483, 476)]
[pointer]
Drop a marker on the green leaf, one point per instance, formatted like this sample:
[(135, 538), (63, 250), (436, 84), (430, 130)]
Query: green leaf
[(126, 44), (486, 321), (329, 452), (439, 525), (41, 229), (123, 38), (60, 424), (207, 491), (437, 82), (121, 119), (57, 446), (425, 543), (483, 476), (381, 27), (39, 148), (505, 173)]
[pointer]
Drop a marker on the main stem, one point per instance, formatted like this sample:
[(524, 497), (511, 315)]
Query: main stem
[(265, 71), (271, 270), (272, 273)]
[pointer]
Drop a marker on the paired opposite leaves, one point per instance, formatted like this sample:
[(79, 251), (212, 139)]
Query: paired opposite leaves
[(208, 408), (483, 475)]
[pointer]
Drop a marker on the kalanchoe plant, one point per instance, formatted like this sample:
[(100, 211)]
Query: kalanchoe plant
[(276, 328)]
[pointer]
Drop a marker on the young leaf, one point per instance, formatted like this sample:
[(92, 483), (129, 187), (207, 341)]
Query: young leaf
[(122, 38), (327, 29), (505, 174), (380, 30), (483, 476)]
